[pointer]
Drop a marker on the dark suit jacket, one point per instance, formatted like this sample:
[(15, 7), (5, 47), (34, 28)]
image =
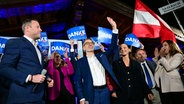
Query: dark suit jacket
[(152, 65), (84, 81), (20, 59), (133, 86)]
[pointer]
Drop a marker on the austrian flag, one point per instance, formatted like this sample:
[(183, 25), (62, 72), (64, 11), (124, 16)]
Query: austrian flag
[(147, 24)]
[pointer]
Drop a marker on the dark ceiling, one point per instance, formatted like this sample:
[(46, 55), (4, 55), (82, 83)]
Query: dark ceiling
[(57, 16)]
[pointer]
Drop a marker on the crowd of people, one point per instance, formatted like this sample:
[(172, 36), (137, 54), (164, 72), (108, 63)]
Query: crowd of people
[(111, 76)]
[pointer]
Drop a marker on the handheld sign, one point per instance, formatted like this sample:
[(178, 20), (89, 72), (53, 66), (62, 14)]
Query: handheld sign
[(43, 43), (60, 47), (132, 40), (77, 33), (104, 35), (97, 44)]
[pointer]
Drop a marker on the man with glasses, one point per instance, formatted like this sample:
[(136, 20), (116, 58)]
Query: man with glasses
[(92, 71)]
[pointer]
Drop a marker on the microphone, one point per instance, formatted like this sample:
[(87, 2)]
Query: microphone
[(44, 71)]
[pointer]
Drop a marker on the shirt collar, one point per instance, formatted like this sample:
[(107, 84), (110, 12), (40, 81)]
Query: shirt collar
[(31, 40), (143, 62), (91, 56)]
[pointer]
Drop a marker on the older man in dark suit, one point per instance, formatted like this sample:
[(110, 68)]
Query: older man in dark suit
[(22, 64)]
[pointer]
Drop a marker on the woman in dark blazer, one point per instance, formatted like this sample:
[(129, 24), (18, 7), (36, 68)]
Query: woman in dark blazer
[(133, 86)]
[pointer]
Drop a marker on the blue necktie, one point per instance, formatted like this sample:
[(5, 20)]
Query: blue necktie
[(150, 84)]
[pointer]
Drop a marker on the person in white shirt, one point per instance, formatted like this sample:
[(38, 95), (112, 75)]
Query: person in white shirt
[(92, 72)]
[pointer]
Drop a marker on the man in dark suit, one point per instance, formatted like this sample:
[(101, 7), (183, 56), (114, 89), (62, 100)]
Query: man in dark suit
[(22, 64), (91, 72), (150, 66)]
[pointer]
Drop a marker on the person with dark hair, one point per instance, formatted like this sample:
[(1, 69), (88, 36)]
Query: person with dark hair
[(167, 76), (148, 68), (129, 73), (94, 70), (22, 64)]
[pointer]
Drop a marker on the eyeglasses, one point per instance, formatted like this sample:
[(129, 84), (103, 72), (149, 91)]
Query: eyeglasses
[(88, 43)]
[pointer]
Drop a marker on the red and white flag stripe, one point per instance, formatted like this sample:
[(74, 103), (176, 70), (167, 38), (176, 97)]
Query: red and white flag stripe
[(147, 24)]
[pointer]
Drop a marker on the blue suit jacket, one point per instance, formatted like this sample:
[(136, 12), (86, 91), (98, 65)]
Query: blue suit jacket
[(20, 59), (84, 81)]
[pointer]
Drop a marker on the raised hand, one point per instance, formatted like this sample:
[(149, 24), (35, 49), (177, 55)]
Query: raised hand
[(112, 22), (66, 53)]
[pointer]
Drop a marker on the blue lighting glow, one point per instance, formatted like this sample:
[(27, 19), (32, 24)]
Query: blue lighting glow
[(55, 27), (38, 9), (58, 36), (41, 8), (3, 13)]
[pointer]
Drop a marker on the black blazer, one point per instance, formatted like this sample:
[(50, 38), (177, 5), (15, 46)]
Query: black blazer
[(133, 86)]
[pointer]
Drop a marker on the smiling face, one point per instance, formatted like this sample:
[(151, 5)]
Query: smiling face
[(141, 55), (88, 45), (125, 50)]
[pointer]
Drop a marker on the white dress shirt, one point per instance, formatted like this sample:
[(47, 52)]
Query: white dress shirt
[(97, 71)]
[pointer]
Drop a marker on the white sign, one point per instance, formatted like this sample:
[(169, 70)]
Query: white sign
[(179, 37), (171, 7)]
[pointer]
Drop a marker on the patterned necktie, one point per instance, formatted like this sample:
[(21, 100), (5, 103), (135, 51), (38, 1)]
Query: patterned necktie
[(150, 83)]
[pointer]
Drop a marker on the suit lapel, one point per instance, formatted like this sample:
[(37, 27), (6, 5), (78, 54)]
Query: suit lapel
[(102, 62), (31, 47), (108, 68), (150, 66)]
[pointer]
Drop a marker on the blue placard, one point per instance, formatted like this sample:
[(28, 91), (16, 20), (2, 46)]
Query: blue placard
[(44, 50), (97, 44), (132, 40), (2, 44), (59, 47), (104, 35), (77, 33), (43, 43)]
